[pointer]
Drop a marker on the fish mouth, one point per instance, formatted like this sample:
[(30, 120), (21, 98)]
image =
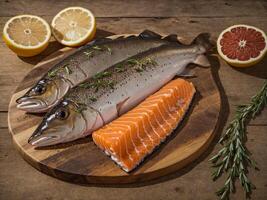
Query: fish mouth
[(31, 104), (41, 141)]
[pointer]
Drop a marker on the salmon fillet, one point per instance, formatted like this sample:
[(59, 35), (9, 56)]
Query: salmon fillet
[(134, 135)]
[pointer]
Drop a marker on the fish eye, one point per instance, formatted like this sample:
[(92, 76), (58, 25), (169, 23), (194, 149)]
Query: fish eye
[(39, 89), (62, 114)]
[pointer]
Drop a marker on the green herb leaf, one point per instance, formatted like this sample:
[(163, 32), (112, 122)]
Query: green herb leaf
[(93, 99), (234, 155)]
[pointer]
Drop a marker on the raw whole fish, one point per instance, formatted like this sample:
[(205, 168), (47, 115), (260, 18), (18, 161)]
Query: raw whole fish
[(84, 63), (116, 90)]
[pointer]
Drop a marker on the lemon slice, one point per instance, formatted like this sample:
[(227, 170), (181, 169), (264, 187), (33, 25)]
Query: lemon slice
[(74, 26), (26, 35)]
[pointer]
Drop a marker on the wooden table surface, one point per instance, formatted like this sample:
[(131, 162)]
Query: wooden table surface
[(18, 180)]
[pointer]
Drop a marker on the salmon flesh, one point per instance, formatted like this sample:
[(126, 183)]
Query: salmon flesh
[(114, 91), (134, 135)]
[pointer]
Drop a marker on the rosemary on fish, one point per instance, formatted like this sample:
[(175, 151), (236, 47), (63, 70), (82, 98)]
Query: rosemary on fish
[(90, 53), (55, 71), (99, 81), (140, 65), (234, 158), (93, 99), (119, 68)]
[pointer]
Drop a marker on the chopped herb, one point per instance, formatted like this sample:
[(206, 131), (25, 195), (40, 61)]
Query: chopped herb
[(109, 50), (119, 68), (90, 53), (54, 72), (81, 107), (97, 48), (140, 65), (93, 99), (102, 75), (139, 68), (67, 69)]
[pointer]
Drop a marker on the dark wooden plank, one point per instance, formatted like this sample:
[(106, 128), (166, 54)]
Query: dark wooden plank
[(147, 8), (3, 119), (17, 178)]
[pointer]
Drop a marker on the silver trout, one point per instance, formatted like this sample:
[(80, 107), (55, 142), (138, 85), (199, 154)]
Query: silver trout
[(114, 91), (83, 64)]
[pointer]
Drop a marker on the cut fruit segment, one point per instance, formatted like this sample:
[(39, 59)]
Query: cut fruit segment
[(26, 35), (74, 26), (242, 45)]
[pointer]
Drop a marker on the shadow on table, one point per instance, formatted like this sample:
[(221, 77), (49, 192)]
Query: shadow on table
[(221, 123), (259, 70), (55, 46)]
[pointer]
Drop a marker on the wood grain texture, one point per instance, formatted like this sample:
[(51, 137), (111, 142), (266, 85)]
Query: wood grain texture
[(82, 162), (19, 180), (145, 8)]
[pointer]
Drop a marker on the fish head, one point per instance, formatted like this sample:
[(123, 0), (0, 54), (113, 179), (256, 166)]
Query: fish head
[(43, 95), (66, 122)]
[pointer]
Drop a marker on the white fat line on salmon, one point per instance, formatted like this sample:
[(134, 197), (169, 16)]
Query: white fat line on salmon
[(158, 109), (130, 130), (132, 120), (168, 108), (126, 145), (136, 148), (152, 127), (117, 131)]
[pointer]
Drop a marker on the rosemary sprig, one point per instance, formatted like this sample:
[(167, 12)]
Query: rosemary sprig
[(140, 65), (99, 81), (90, 53), (55, 71), (234, 158)]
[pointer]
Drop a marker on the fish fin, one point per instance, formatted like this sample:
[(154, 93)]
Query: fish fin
[(120, 104), (121, 37), (203, 39), (202, 60), (187, 73), (172, 38), (147, 34), (131, 36)]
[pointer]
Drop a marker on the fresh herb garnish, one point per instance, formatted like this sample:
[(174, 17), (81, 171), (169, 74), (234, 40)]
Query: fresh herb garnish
[(119, 68), (140, 65), (234, 158), (90, 53), (67, 69), (99, 81), (55, 71), (93, 99)]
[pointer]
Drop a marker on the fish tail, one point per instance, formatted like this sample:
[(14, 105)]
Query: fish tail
[(203, 39)]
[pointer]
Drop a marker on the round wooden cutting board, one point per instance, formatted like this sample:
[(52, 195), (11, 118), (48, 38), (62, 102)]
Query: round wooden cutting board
[(82, 162)]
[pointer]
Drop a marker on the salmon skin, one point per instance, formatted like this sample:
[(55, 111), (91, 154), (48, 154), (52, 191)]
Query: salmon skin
[(134, 135), (114, 91), (83, 64)]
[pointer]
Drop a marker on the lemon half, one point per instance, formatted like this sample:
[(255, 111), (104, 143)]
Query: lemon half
[(74, 26), (26, 35)]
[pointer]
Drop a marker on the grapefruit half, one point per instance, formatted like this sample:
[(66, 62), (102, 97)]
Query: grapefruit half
[(242, 45)]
